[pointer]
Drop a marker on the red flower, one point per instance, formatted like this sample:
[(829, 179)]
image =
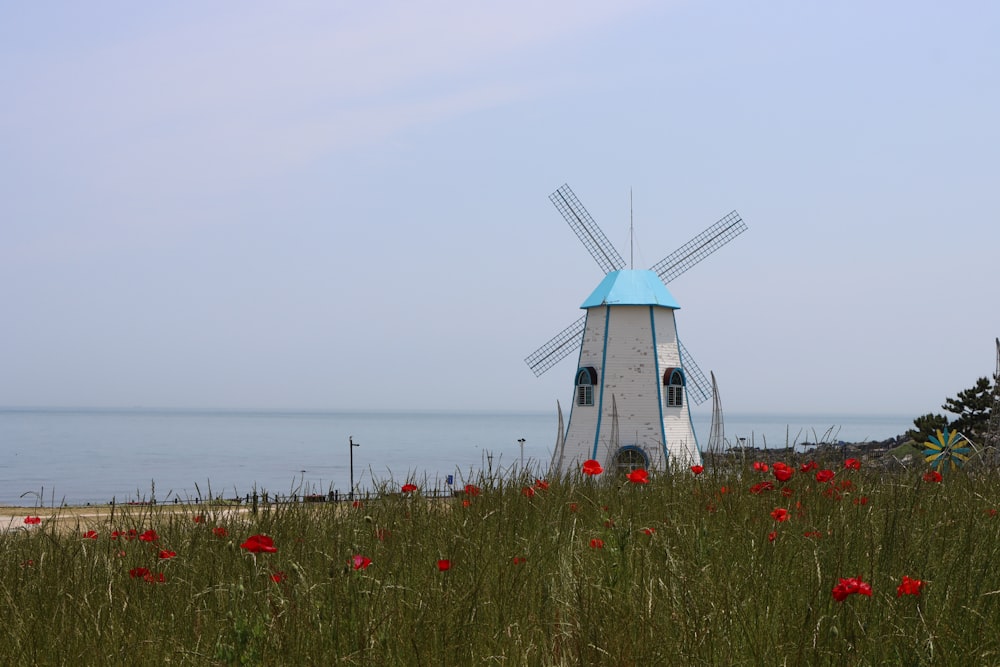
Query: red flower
[(824, 476), (849, 587), (860, 500), (787, 491), (256, 544), (472, 490), (466, 502), (573, 507), (772, 536), (528, 492), (32, 520), (138, 572), (409, 488), (812, 533), (541, 485), (991, 512), (219, 531), (649, 531), (782, 474), (806, 467), (278, 577), (597, 543), (780, 514), (444, 564), (592, 467), (199, 518), (90, 535), (853, 464), (697, 469), (164, 554), (356, 504), (154, 578), (761, 487), (932, 476), (149, 536), (359, 562), (760, 466), (847, 484), (638, 476), (909, 587), (519, 560)]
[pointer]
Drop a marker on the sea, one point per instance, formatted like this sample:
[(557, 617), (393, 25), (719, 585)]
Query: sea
[(56, 456)]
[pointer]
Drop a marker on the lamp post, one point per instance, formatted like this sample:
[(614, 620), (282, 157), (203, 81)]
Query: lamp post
[(353, 444), (520, 441)]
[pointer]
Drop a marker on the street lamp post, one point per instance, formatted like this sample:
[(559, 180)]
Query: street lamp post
[(353, 444), (520, 441)]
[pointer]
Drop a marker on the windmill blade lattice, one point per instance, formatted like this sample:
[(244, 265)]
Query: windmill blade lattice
[(700, 247), (699, 389), (585, 227), (554, 351)]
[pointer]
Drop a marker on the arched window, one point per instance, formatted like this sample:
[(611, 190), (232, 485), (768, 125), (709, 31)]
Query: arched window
[(630, 458), (673, 387), (586, 378)]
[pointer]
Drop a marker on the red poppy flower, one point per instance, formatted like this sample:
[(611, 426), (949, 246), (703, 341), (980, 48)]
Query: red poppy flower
[(852, 464), (638, 476), (444, 564), (519, 560), (932, 476), (32, 520), (760, 466), (909, 587), (466, 502), (573, 507), (541, 485), (219, 531), (861, 500), (772, 536), (846, 484), (787, 491), (149, 536), (649, 531), (472, 490), (90, 535), (259, 544), (164, 554), (278, 577), (991, 512), (528, 492), (409, 488), (154, 578), (592, 467), (824, 476), (359, 562), (806, 467), (812, 534), (697, 469), (761, 487), (199, 518), (138, 572), (780, 514), (849, 587), (356, 504), (782, 474), (597, 543)]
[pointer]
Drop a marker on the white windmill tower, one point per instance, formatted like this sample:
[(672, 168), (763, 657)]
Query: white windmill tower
[(634, 377)]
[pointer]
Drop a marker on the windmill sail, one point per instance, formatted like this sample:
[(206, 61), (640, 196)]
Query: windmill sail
[(557, 453), (607, 257), (717, 436)]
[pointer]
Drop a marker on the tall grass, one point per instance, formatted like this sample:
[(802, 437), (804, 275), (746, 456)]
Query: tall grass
[(689, 574)]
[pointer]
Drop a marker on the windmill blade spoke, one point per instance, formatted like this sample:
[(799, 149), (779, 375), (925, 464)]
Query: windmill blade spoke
[(557, 349), (586, 229), (700, 247), (698, 387)]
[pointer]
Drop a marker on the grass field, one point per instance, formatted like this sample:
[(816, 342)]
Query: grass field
[(728, 567)]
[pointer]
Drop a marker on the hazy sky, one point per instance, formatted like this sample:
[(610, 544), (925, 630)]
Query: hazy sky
[(340, 205)]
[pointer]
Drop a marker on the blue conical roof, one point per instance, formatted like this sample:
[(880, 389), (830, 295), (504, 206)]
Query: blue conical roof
[(631, 288)]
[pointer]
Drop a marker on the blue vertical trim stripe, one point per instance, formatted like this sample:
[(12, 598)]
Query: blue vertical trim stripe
[(602, 379), (659, 387)]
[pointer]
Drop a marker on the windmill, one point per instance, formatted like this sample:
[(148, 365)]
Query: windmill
[(634, 377)]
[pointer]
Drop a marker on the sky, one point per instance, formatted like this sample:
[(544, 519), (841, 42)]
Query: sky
[(344, 206)]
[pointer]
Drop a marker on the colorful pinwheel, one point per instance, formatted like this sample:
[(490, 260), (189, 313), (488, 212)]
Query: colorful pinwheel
[(944, 449)]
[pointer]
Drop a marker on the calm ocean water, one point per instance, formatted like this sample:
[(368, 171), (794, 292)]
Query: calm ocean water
[(92, 456)]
